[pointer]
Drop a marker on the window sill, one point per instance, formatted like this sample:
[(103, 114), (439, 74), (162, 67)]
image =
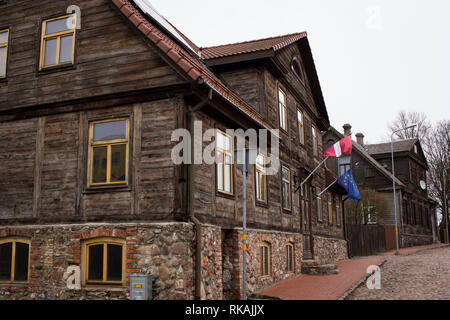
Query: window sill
[(14, 284), (225, 195), (108, 188), (96, 287), (49, 70), (261, 204)]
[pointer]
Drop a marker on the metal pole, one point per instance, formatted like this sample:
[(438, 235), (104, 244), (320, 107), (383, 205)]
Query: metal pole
[(393, 184), (303, 182), (244, 236), (445, 209), (395, 201)]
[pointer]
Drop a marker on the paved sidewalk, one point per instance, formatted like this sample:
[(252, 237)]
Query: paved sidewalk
[(331, 287), (406, 251)]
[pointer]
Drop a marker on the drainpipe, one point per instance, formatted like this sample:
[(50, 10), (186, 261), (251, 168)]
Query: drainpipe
[(197, 223)]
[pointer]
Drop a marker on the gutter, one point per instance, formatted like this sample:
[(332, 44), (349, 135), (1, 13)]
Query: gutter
[(198, 225)]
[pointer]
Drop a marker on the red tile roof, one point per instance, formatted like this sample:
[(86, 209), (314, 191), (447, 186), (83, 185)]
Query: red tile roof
[(194, 68), (274, 43)]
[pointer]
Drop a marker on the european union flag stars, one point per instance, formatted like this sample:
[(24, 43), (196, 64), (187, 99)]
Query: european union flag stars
[(348, 183)]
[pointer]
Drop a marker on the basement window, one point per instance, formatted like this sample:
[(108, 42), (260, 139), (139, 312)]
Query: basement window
[(57, 42), (289, 258), (104, 262), (265, 263), (108, 152), (14, 260)]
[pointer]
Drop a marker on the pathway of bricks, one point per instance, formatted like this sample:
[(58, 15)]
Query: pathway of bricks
[(423, 275), (332, 287)]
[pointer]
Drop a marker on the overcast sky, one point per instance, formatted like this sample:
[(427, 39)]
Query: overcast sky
[(373, 57)]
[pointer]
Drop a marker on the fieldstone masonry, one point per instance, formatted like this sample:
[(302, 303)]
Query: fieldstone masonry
[(167, 252), (163, 250), (329, 250)]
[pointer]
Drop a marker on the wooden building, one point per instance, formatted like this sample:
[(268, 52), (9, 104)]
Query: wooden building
[(415, 210), (89, 101)]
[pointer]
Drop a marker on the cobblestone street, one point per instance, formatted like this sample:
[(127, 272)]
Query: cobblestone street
[(422, 275)]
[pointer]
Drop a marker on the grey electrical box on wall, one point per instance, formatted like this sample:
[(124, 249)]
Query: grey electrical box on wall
[(140, 287)]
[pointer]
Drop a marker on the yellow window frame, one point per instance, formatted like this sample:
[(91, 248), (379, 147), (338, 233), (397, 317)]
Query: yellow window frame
[(330, 208), (338, 211), (105, 242), (225, 153), (315, 140), (15, 240), (108, 143), (5, 45), (281, 105), (301, 130), (58, 36), (261, 196), (265, 257), (288, 182), (290, 257)]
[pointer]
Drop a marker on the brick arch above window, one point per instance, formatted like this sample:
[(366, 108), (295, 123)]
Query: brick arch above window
[(99, 233)]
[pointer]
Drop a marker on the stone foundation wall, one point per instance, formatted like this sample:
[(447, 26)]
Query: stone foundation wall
[(211, 263), (329, 250), (163, 250), (278, 257), (412, 240)]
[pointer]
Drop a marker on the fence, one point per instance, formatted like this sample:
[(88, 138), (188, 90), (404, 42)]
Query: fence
[(364, 240)]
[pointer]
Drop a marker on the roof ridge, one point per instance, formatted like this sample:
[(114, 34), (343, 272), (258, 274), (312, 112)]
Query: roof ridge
[(256, 40)]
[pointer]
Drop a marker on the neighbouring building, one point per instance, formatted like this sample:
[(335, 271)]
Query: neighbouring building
[(415, 210), (88, 106)]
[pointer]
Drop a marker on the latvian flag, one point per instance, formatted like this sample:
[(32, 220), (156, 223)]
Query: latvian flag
[(340, 147)]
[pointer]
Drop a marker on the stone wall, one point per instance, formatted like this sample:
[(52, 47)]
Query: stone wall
[(329, 250), (411, 240), (211, 263), (164, 250), (278, 257)]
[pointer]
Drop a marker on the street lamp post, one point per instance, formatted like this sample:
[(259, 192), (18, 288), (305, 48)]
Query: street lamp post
[(393, 185), (444, 207)]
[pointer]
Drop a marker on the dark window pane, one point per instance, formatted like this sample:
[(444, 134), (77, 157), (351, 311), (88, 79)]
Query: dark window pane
[(100, 158), (118, 162), (110, 130), (5, 261), (65, 54), (50, 52), (3, 53), (59, 25), (95, 268), (114, 263), (21, 264)]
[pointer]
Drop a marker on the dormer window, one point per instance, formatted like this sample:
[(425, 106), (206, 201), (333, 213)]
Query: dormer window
[(415, 148), (297, 68)]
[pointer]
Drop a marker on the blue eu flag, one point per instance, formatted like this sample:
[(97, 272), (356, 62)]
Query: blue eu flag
[(348, 183)]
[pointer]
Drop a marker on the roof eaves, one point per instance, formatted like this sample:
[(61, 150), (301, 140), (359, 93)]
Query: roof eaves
[(194, 68)]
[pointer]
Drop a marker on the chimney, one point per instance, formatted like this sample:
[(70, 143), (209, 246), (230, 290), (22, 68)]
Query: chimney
[(347, 129), (360, 139)]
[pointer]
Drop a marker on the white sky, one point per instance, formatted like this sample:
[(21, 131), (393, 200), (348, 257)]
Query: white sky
[(373, 57)]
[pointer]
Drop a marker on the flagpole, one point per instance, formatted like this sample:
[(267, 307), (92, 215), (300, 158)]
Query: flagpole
[(355, 165), (304, 181)]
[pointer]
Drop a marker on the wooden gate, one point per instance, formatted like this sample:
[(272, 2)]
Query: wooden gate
[(365, 240)]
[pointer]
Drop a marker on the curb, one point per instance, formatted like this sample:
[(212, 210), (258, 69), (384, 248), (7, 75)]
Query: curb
[(359, 283), (425, 249)]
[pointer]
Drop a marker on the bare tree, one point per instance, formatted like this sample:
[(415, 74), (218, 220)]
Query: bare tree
[(405, 119), (438, 158), (372, 208)]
